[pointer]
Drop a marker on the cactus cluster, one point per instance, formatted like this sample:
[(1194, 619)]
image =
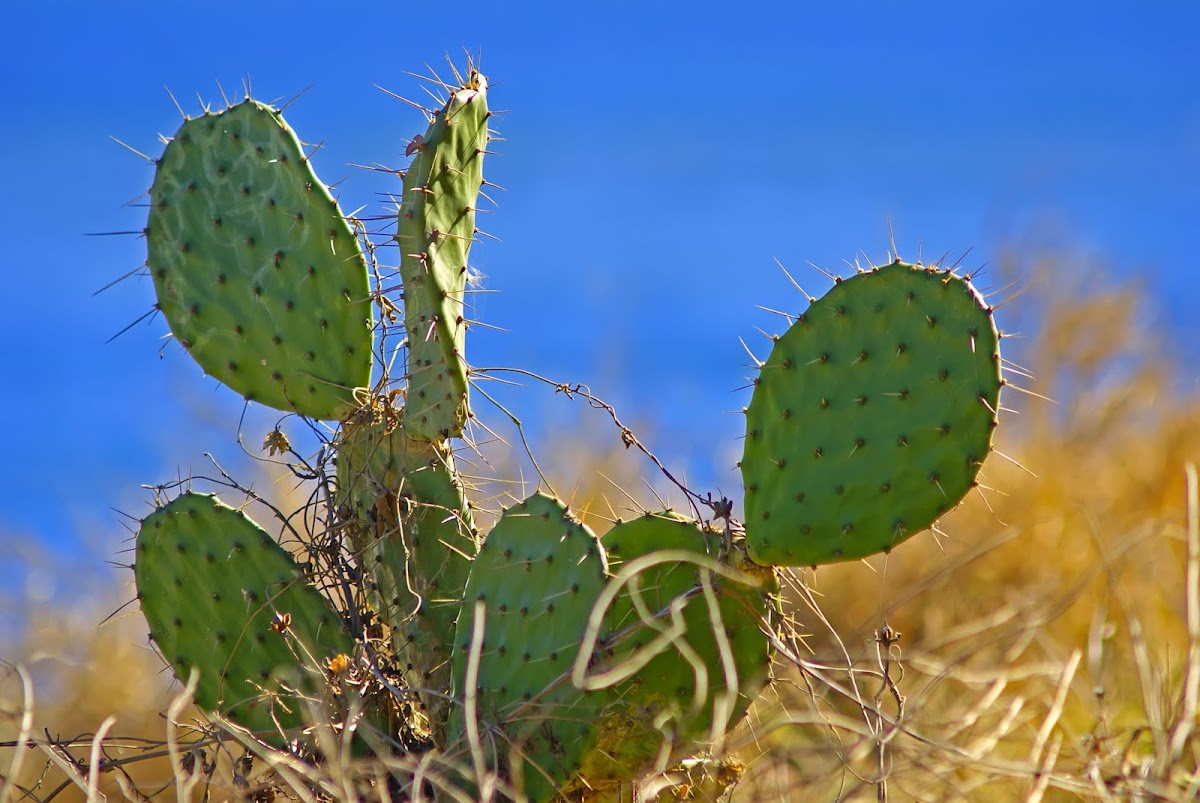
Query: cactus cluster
[(557, 664)]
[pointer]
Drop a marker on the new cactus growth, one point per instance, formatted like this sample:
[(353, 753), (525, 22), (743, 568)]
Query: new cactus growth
[(871, 417), (259, 275), (222, 597), (435, 230)]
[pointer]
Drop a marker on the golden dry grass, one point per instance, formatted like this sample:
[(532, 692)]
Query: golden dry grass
[(1038, 649)]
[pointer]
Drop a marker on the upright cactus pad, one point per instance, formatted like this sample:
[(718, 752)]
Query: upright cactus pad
[(693, 688), (222, 597), (871, 417), (538, 575), (258, 273), (435, 231)]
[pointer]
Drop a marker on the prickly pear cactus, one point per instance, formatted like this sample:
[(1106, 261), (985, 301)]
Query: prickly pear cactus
[(257, 272), (691, 689), (222, 597), (537, 575), (871, 417), (435, 231), (869, 420)]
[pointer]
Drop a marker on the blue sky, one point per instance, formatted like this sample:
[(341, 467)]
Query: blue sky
[(658, 158)]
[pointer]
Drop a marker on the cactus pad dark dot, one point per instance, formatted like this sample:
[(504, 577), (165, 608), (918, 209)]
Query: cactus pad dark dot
[(214, 244), (870, 474)]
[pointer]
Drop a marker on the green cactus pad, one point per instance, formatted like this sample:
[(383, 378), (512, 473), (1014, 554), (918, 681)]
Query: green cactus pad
[(258, 273), (871, 417), (435, 230), (212, 584), (413, 532), (538, 575), (657, 706)]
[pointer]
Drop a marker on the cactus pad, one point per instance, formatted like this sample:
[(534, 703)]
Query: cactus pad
[(221, 596), (258, 273), (435, 230), (538, 574), (871, 417), (658, 705)]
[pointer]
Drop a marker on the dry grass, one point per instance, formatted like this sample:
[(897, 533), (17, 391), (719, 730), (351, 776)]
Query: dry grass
[(1045, 647)]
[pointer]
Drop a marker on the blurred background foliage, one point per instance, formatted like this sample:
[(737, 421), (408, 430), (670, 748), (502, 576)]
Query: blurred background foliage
[(1041, 629)]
